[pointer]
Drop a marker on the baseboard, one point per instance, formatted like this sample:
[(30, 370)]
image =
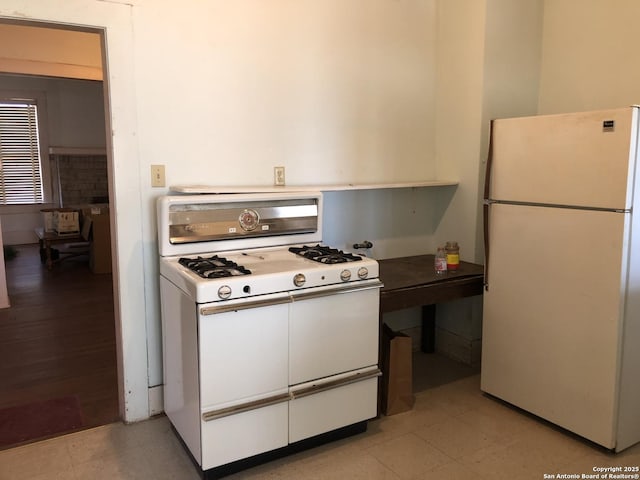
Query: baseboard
[(19, 237)]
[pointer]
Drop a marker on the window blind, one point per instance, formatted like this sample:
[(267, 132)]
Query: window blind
[(20, 166)]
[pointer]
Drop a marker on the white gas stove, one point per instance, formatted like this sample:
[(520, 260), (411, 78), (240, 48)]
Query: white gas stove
[(269, 337), (259, 272)]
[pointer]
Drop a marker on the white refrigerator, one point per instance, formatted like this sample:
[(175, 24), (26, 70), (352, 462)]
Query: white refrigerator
[(561, 314)]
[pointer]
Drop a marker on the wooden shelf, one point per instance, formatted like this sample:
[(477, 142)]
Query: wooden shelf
[(196, 189)]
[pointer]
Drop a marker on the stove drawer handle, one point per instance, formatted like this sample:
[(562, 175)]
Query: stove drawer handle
[(245, 407), (355, 378), (325, 293), (243, 306)]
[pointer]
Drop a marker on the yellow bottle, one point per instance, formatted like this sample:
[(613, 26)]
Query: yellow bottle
[(453, 256)]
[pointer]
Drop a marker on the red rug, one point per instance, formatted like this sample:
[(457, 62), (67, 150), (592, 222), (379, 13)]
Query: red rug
[(39, 420)]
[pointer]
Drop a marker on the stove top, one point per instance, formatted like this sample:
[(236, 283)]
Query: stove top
[(322, 254), (213, 267), (271, 270)]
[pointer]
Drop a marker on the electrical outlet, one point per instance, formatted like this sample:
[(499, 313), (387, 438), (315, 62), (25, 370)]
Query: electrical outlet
[(278, 176), (157, 176)]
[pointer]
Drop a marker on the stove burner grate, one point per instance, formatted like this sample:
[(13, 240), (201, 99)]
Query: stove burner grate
[(213, 267), (322, 254)]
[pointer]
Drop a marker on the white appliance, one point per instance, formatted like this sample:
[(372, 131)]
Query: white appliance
[(270, 339), (561, 322)]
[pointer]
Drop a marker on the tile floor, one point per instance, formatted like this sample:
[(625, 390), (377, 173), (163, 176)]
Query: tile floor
[(454, 432)]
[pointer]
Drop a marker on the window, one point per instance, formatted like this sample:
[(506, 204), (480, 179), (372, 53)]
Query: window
[(21, 178)]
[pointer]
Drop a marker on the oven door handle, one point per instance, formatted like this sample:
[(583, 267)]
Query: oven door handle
[(341, 289), (245, 407), (341, 382), (212, 310)]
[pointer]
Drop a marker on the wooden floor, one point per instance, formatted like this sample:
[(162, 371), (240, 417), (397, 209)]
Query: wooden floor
[(58, 337)]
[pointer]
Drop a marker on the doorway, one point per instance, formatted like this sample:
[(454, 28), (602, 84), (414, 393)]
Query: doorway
[(58, 361)]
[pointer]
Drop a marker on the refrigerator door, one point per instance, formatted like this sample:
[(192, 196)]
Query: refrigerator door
[(553, 313), (578, 159)]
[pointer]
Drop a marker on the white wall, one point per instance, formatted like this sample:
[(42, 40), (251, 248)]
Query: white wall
[(589, 55), (75, 109), (459, 92), (335, 91), (400, 222), (488, 67)]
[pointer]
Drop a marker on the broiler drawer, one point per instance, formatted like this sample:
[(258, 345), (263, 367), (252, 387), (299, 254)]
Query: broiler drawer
[(243, 435), (320, 407)]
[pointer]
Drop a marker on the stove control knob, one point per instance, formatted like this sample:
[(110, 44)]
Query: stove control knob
[(363, 273), (345, 275), (299, 280), (224, 291)]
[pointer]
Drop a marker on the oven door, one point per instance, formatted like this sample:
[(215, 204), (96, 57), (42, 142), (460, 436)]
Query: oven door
[(243, 364), (333, 330)]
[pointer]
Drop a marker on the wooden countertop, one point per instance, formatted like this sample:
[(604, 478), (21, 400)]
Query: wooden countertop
[(412, 281)]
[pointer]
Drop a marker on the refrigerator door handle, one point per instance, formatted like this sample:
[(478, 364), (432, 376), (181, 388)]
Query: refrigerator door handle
[(485, 214), (487, 176), (486, 204)]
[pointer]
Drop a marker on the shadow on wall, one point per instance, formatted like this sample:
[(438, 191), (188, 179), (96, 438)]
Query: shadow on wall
[(398, 221)]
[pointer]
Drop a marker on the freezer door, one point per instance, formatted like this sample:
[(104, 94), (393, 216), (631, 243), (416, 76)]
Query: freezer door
[(583, 159), (553, 312)]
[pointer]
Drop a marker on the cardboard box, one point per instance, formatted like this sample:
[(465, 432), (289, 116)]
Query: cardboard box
[(95, 209), (100, 253), (47, 219), (66, 222), (63, 221)]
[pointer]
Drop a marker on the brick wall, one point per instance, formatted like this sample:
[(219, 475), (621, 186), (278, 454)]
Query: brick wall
[(83, 179)]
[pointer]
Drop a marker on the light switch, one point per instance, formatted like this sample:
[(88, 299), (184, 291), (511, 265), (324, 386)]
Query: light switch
[(157, 176), (278, 176)]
